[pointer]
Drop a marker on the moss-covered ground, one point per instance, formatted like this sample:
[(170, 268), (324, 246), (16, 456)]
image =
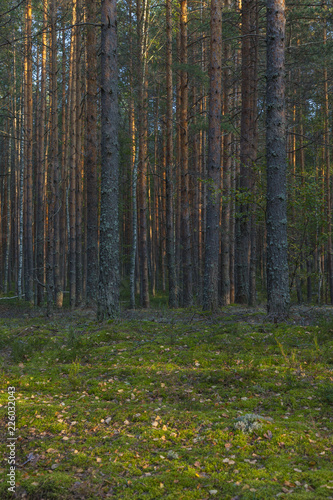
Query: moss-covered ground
[(145, 407)]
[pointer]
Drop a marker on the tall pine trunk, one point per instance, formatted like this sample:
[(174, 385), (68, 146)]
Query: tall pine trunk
[(109, 267), (28, 136), (73, 155), (170, 244), (91, 155), (210, 295), (185, 202), (143, 23), (276, 218), (247, 149)]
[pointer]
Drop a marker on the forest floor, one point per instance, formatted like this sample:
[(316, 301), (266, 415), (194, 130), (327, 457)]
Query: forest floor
[(160, 404)]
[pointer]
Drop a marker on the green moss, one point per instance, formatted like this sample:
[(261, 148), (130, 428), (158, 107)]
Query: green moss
[(146, 408)]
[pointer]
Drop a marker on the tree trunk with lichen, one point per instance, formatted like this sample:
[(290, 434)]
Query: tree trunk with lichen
[(276, 218), (210, 292), (109, 268)]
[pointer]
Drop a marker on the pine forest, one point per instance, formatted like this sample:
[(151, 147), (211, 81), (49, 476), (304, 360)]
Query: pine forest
[(166, 259), (179, 149)]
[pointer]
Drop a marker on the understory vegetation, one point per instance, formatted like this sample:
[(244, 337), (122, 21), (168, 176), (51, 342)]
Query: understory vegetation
[(169, 404)]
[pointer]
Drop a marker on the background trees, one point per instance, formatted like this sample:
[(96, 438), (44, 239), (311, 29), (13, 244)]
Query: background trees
[(51, 182)]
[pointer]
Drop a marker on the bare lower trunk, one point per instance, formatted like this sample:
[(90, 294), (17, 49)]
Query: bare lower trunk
[(170, 244), (210, 294), (276, 221), (109, 275), (91, 155)]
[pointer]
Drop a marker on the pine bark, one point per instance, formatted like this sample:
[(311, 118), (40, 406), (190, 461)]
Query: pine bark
[(170, 243), (79, 163), (210, 295), (109, 268), (276, 218), (133, 170), (91, 155), (185, 202), (143, 23), (328, 175), (226, 206), (28, 127), (247, 149), (73, 155), (40, 212)]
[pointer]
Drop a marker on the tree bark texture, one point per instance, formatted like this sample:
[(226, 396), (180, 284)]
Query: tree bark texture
[(109, 268), (210, 295), (143, 23), (170, 243), (73, 155), (29, 282), (185, 202), (247, 148), (91, 155), (276, 218)]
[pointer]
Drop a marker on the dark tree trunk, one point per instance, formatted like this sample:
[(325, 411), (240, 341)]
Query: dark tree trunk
[(29, 261), (109, 268), (170, 244), (185, 203), (210, 293), (143, 23), (247, 148), (276, 221)]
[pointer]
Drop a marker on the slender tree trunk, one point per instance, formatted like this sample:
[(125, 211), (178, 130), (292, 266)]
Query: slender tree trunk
[(247, 148), (109, 276), (28, 128), (64, 170), (185, 203), (8, 179), (178, 179), (254, 28), (21, 204), (134, 170), (143, 23), (79, 166), (40, 233), (328, 177), (226, 206), (91, 155), (73, 156), (276, 222), (55, 166), (170, 242), (210, 295)]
